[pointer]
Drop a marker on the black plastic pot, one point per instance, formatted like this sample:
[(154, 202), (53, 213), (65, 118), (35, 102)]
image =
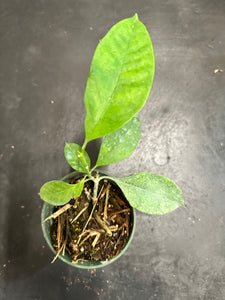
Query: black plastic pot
[(48, 209)]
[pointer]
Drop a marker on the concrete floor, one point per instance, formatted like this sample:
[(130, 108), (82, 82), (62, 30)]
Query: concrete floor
[(45, 54)]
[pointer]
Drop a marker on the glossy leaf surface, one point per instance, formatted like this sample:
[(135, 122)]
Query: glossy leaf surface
[(151, 193), (120, 144), (120, 78), (77, 160), (58, 192)]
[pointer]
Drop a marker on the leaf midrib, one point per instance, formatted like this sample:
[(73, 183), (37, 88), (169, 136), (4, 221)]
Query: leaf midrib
[(130, 185), (137, 187), (113, 91)]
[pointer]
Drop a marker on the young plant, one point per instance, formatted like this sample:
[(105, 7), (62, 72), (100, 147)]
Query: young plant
[(118, 86)]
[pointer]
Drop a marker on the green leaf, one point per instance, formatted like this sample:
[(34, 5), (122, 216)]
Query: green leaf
[(151, 193), (58, 192), (120, 78), (77, 158), (120, 144)]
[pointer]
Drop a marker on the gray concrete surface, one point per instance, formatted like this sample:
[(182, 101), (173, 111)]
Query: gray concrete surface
[(45, 51)]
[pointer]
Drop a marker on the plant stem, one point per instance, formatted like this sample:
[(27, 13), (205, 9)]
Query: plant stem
[(93, 169), (95, 192), (94, 211), (84, 145)]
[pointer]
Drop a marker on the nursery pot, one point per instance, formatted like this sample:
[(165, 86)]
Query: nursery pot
[(48, 209)]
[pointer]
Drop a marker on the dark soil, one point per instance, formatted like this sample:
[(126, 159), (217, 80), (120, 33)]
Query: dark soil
[(87, 240)]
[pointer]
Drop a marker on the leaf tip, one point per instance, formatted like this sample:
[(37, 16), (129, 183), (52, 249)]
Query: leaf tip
[(136, 17)]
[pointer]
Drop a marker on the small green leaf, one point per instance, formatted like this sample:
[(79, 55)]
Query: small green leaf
[(120, 144), (151, 193), (77, 159), (120, 78), (58, 192)]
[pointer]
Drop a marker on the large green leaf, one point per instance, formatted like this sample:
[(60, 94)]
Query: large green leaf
[(58, 192), (77, 158), (120, 78), (151, 193), (120, 144)]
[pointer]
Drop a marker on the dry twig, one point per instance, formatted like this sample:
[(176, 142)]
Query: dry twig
[(58, 212), (119, 212), (90, 216), (59, 232), (54, 259), (80, 213), (106, 202)]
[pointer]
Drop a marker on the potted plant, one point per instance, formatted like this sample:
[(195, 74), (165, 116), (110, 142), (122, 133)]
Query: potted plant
[(88, 218)]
